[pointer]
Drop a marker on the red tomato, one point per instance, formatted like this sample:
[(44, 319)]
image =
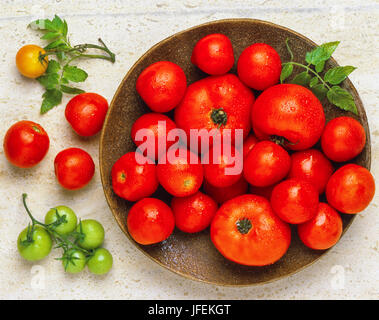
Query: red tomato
[(150, 221), (246, 230), (134, 177), (74, 168), (162, 85), (343, 139), (313, 166), (248, 144), (86, 113), (350, 189), (160, 125), (217, 102), (262, 191), (291, 113), (267, 163), (323, 230), (180, 172), (26, 144), (222, 194), (213, 54), (193, 213), (259, 66), (295, 201), (222, 168)]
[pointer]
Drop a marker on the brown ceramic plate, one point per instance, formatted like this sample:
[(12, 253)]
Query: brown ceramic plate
[(194, 256)]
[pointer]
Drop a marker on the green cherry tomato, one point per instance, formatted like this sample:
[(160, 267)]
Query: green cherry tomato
[(69, 216), (93, 234), (101, 262), (40, 246), (74, 261)]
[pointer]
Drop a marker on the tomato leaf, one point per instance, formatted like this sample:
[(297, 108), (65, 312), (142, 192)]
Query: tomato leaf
[(51, 98), (60, 43), (321, 54), (342, 99), (313, 82), (50, 36), (320, 66), (338, 74), (319, 91), (302, 79), (53, 67), (71, 90), (49, 80), (74, 73), (286, 72)]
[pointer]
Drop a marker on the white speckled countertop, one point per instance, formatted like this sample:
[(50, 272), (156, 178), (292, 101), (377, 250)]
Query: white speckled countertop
[(349, 270)]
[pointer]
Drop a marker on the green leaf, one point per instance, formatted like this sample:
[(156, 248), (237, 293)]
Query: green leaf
[(55, 44), (57, 23), (49, 80), (302, 78), (319, 90), (53, 67), (321, 54), (320, 66), (74, 74), (71, 90), (42, 24), (342, 99), (51, 98), (286, 72), (313, 81), (330, 47), (65, 28), (338, 74), (50, 36)]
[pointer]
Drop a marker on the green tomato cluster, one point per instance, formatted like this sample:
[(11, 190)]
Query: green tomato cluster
[(80, 241)]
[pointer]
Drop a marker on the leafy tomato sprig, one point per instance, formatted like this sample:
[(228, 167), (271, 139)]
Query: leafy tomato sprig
[(326, 85), (61, 72)]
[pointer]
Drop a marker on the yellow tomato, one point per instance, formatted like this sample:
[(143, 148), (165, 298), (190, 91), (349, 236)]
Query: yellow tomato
[(28, 62)]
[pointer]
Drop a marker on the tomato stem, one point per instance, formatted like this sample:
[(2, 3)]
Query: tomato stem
[(310, 70), (244, 225), (219, 117)]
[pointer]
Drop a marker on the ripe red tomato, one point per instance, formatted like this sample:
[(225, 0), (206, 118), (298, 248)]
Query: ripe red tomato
[(264, 192), (248, 144), (25, 144), (267, 163), (246, 230), (313, 166), (86, 113), (193, 213), (350, 189), (221, 168), (134, 177), (160, 125), (295, 201), (343, 139), (289, 112), (180, 172), (150, 221), (222, 194), (217, 102), (323, 230), (74, 168), (213, 54), (259, 66), (162, 85)]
